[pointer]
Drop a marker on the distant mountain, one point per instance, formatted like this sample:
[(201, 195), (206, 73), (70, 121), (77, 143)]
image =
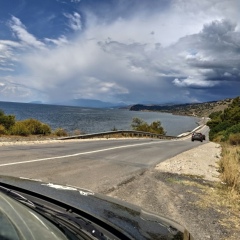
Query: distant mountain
[(189, 109), (157, 103), (36, 102), (92, 103)]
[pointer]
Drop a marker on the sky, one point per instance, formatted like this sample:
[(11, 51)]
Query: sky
[(119, 51)]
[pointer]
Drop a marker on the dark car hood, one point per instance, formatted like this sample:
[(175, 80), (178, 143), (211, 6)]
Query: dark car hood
[(129, 219)]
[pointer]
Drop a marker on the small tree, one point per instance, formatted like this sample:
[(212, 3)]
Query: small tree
[(157, 128), (140, 125)]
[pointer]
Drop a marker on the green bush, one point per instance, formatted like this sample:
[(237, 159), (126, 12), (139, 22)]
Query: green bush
[(139, 125), (224, 123), (23, 128), (2, 129), (215, 115), (218, 128), (213, 123), (20, 128), (35, 127), (60, 132), (232, 113), (30, 127), (156, 127), (233, 129), (45, 129), (7, 120)]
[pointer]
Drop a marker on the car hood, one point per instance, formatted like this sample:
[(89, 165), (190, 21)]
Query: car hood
[(126, 218)]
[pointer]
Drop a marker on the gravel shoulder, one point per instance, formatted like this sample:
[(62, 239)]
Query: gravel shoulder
[(186, 188)]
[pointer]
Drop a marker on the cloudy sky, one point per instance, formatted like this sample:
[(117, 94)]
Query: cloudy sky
[(131, 51)]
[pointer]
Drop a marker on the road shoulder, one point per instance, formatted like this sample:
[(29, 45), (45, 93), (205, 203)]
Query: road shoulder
[(186, 188)]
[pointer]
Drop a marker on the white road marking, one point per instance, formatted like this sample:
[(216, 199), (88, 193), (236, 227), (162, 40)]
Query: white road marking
[(86, 193), (79, 154), (32, 179), (61, 187)]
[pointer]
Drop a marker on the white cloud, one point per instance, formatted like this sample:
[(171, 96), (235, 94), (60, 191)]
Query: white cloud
[(58, 42), (194, 82), (22, 34), (74, 21), (7, 69), (7, 56)]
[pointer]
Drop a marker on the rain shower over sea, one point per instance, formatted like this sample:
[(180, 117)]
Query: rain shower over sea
[(93, 120)]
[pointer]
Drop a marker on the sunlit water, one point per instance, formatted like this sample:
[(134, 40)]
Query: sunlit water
[(90, 120)]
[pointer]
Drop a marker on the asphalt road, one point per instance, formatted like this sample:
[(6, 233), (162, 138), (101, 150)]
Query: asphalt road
[(94, 164)]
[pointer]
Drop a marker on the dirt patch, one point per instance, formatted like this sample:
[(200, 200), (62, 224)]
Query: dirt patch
[(200, 161)]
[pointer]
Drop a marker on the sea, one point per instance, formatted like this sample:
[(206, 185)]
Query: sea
[(94, 120)]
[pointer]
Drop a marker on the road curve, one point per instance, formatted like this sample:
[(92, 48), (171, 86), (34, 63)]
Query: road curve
[(96, 165)]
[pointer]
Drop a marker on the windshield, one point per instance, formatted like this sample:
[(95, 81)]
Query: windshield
[(31, 217), (20, 222)]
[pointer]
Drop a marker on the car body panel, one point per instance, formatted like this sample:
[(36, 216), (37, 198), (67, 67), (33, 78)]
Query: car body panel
[(126, 218)]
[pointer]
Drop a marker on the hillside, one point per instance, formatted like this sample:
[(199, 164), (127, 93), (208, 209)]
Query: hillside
[(189, 109)]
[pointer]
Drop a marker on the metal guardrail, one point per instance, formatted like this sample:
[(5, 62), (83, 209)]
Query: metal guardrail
[(129, 133), (118, 134)]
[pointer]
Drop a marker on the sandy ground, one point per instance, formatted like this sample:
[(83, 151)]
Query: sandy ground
[(200, 161)]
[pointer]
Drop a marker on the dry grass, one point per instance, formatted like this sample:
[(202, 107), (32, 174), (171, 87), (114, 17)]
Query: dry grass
[(229, 167), (220, 198)]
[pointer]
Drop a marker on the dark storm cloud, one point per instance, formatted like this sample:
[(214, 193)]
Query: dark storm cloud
[(114, 9), (120, 50), (214, 55)]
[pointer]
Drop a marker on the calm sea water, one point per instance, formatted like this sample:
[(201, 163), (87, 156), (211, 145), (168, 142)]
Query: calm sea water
[(90, 120)]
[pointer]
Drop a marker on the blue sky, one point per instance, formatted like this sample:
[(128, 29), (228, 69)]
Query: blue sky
[(130, 51)]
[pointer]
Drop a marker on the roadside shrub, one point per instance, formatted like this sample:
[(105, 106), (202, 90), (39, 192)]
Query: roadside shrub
[(2, 129), (45, 129), (232, 130), (60, 132), (213, 123), (156, 127), (30, 127), (218, 128), (215, 115), (217, 137), (7, 120), (20, 128), (140, 125), (234, 139), (36, 127), (229, 167)]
